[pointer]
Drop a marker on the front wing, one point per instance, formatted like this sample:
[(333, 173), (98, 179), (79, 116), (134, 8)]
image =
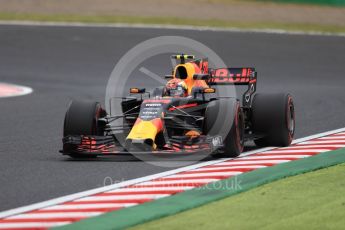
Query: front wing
[(107, 145)]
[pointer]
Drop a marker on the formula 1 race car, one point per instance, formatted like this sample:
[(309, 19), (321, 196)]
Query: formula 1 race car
[(186, 116)]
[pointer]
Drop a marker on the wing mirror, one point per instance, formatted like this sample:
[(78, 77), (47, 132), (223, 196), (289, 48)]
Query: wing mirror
[(202, 91), (201, 76), (168, 76), (209, 90), (137, 90)]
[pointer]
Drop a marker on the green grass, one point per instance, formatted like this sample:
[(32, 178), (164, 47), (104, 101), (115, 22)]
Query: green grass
[(313, 200), (172, 21)]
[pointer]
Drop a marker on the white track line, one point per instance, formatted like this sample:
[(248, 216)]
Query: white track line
[(89, 206), (33, 225), (123, 197), (139, 189), (170, 27), (54, 215), (181, 182), (75, 196), (210, 168), (196, 174), (254, 162)]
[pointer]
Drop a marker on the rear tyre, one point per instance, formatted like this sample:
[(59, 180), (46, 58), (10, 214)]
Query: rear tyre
[(227, 122), (273, 115), (82, 119)]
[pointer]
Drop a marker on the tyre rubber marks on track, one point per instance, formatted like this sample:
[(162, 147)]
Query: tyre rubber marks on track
[(97, 204)]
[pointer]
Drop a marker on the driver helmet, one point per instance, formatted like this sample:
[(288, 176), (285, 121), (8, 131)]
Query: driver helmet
[(176, 88)]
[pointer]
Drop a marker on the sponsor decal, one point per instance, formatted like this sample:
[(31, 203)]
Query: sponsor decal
[(156, 101), (233, 75)]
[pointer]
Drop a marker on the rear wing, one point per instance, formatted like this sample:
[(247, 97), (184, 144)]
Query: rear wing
[(233, 76)]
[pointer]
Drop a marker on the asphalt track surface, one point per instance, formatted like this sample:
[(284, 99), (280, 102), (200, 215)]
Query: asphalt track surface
[(64, 63)]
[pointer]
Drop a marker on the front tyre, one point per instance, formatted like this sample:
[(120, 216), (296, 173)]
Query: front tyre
[(226, 115), (82, 118)]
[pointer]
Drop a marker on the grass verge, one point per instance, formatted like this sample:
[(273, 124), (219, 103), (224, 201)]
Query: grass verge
[(308, 201), (171, 21)]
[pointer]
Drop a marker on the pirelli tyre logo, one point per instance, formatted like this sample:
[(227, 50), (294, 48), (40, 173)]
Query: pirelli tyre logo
[(216, 142)]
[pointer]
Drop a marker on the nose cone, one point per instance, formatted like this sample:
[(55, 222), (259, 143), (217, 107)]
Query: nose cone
[(144, 132)]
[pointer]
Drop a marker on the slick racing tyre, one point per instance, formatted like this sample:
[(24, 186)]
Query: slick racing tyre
[(273, 116), (231, 117), (82, 119)]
